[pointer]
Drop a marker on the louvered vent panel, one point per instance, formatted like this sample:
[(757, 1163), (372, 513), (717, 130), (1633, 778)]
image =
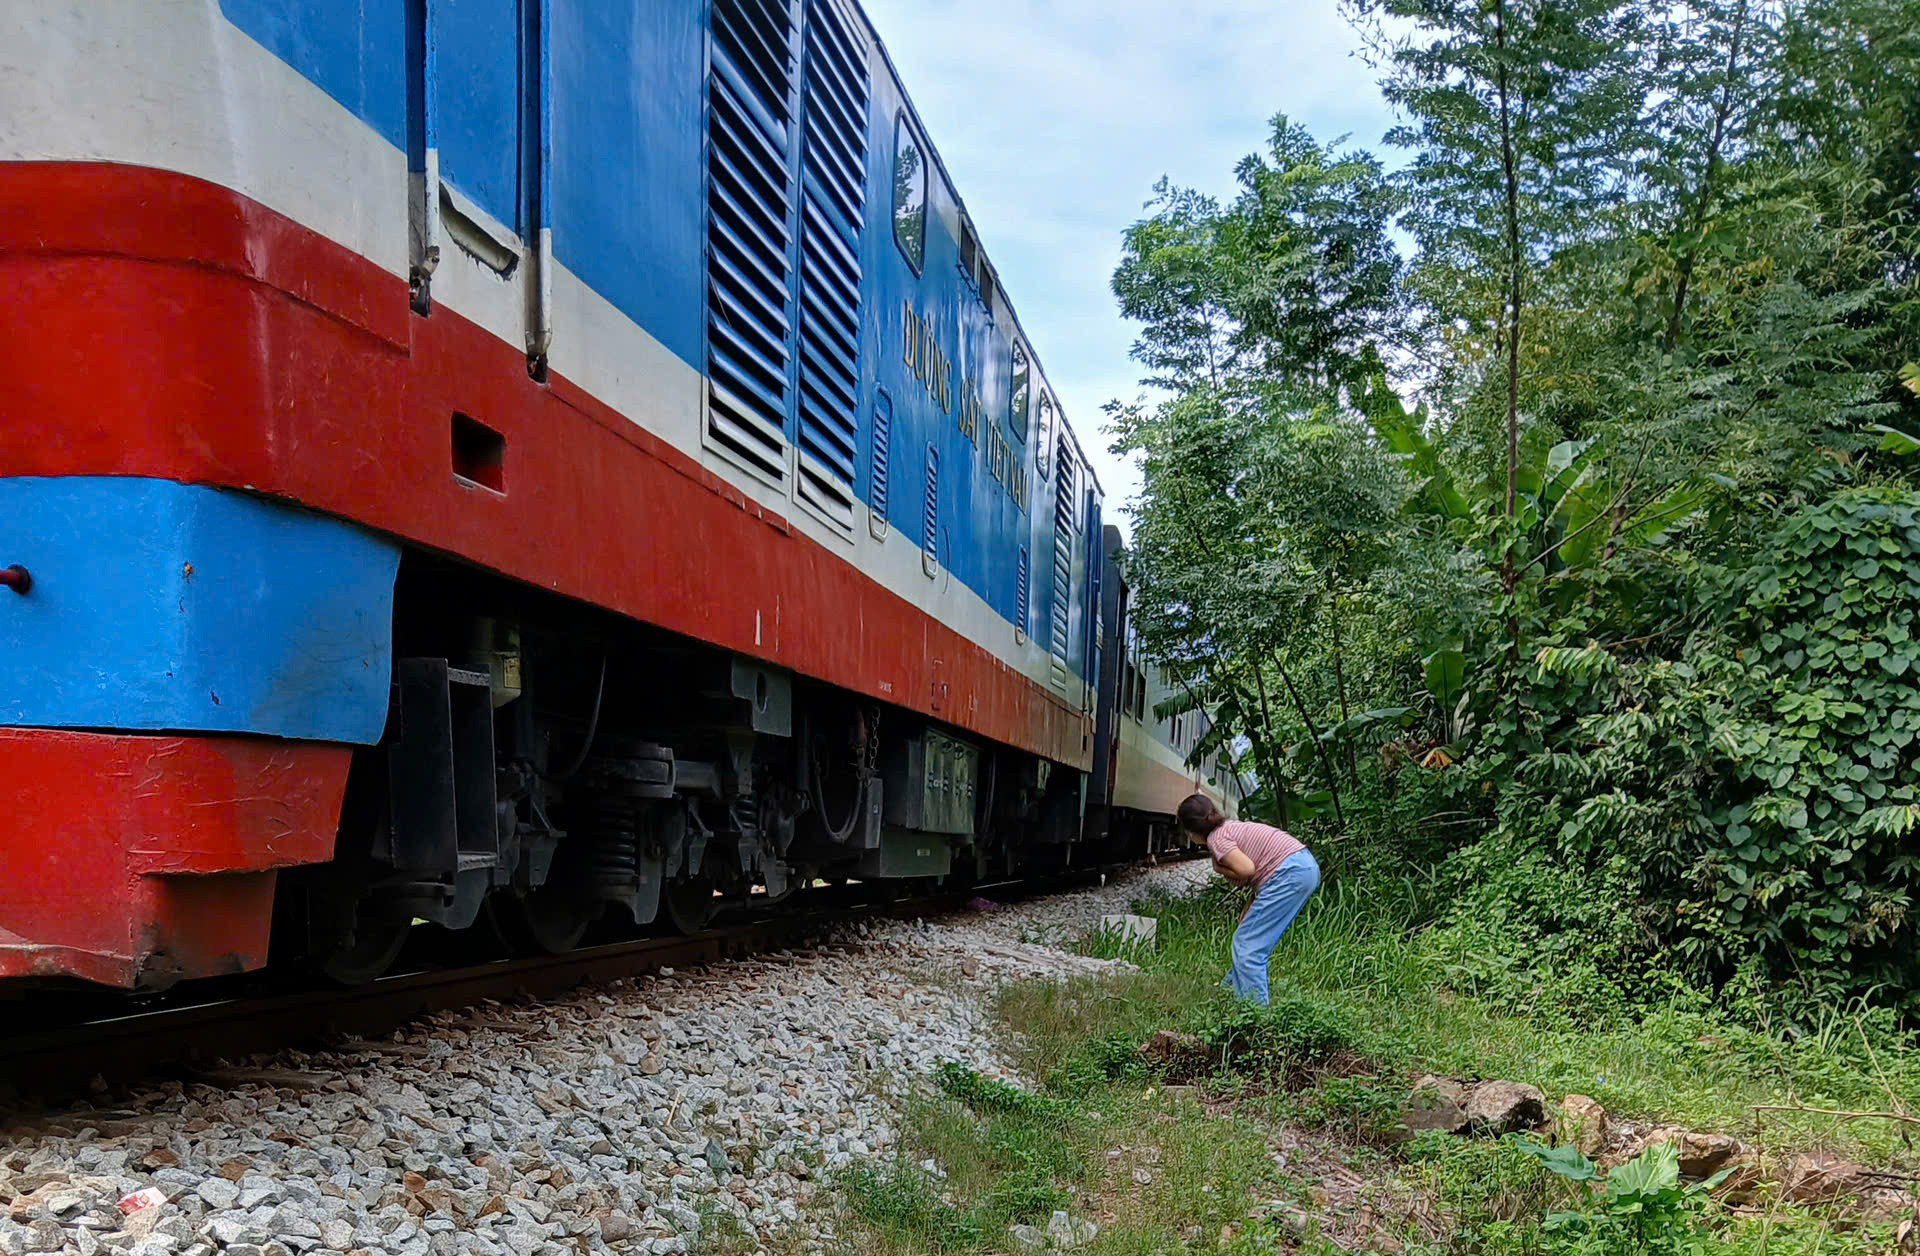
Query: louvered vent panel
[(1022, 578), (882, 438), (833, 178), (930, 508), (749, 240), (1062, 550)]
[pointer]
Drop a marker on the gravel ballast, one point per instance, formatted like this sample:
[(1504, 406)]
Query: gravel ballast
[(621, 1119)]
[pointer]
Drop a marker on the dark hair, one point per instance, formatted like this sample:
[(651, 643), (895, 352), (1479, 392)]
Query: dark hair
[(1199, 816)]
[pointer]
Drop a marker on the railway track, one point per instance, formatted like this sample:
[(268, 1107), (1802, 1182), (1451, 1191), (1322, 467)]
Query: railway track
[(50, 1063)]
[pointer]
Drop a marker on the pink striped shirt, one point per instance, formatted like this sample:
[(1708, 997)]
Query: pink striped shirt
[(1267, 846)]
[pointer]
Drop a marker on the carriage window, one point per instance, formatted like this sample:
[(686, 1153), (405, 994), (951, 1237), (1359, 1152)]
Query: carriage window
[(1042, 449), (909, 196), (1017, 413)]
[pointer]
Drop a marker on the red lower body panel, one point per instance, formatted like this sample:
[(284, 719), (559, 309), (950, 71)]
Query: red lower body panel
[(140, 860)]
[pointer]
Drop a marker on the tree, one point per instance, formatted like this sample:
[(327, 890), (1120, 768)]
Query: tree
[(1644, 550), (1254, 318), (1516, 111), (1314, 278), (1172, 279)]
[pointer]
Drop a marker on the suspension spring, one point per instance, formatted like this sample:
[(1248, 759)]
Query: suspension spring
[(616, 841)]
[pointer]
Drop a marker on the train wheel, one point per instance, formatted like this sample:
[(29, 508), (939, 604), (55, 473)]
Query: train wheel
[(689, 905), (548, 921), (375, 946)]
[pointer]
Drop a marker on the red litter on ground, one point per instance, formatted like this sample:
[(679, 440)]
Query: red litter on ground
[(982, 904), (151, 1197)]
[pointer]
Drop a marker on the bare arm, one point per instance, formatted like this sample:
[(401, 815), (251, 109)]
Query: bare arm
[(1235, 867)]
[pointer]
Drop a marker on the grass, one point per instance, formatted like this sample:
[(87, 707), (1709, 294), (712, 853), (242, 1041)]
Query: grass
[(1353, 953), (1289, 1139), (1153, 1171)]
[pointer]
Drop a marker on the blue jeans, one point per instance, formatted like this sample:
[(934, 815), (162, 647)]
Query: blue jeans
[(1275, 904)]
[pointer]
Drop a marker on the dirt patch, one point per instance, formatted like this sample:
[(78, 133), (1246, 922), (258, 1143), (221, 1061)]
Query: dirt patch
[(1368, 1208)]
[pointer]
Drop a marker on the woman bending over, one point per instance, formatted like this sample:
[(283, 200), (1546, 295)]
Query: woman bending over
[(1281, 871)]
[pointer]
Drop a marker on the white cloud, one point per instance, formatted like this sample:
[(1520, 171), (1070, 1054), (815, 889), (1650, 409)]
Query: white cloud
[(1055, 117)]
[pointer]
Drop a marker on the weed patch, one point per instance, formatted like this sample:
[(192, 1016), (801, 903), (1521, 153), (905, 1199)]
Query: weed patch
[(1295, 1038), (986, 1095), (1361, 1109), (901, 1202), (1288, 1137)]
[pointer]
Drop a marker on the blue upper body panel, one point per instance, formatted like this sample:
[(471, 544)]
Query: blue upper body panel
[(628, 203)]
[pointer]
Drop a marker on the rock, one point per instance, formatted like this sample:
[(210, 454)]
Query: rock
[(231, 1229), (1027, 1239), (218, 1193), (1701, 1155), (605, 1119), (1505, 1108), (142, 1223), (1436, 1103), (1066, 1232), (1582, 1124), (1879, 1205), (257, 1189), (615, 1227), (1820, 1177)]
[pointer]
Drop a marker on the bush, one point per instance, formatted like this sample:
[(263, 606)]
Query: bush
[(1282, 1041), (1105, 1058), (1733, 810)]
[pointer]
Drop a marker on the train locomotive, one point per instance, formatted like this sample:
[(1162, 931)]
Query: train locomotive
[(532, 465)]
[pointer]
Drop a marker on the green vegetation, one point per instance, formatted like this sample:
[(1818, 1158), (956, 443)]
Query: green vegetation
[(1586, 534), (1556, 580), (1285, 1135), (1002, 1164)]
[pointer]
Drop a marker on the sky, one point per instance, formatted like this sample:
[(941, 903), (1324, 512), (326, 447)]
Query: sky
[(1055, 118)]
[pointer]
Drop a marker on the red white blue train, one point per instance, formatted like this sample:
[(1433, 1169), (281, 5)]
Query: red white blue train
[(522, 462)]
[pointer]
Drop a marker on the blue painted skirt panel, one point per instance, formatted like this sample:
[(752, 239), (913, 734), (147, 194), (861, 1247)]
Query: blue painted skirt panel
[(161, 606)]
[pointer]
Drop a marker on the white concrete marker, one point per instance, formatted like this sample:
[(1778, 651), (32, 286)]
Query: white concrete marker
[(1142, 929)]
